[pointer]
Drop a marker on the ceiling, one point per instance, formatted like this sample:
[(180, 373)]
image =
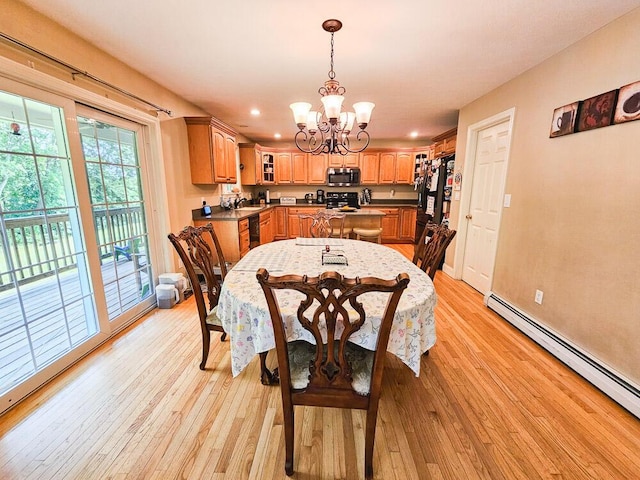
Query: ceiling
[(419, 61)]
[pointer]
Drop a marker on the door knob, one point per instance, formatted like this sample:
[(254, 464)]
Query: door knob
[(468, 217)]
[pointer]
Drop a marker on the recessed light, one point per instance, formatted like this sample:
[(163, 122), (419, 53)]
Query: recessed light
[(277, 135), (255, 112), (413, 134)]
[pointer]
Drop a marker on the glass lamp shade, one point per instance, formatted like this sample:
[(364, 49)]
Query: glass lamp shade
[(300, 112), (332, 105), (346, 121), (363, 111), (312, 121)]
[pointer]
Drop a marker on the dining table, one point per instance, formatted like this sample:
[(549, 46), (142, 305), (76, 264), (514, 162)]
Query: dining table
[(243, 311)]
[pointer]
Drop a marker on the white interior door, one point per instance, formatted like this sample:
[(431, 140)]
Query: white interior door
[(487, 191)]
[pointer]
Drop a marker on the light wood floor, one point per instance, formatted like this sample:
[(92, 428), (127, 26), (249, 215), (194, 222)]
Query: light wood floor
[(488, 404)]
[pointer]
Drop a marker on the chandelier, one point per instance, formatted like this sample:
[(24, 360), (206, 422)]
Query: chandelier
[(327, 130)]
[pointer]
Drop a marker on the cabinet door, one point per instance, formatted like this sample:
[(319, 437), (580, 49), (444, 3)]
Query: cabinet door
[(404, 168), (280, 223), (299, 167), (449, 144), (351, 160), (218, 154), (200, 146), (348, 160), (230, 159), (267, 166), (408, 224), (335, 161), (283, 168), (248, 165), (369, 166), (387, 168), (317, 169), (390, 225)]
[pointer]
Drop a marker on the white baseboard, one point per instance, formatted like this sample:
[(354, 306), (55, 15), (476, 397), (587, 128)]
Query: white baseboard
[(610, 382), (448, 270)]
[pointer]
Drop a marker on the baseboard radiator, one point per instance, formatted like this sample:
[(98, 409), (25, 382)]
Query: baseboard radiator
[(611, 383)]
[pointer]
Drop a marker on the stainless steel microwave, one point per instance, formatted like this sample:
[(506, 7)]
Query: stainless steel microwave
[(343, 177)]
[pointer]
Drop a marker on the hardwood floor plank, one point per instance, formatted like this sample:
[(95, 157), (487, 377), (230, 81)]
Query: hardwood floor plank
[(489, 404)]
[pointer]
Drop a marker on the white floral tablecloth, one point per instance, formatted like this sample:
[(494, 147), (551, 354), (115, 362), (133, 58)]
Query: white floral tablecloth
[(245, 317)]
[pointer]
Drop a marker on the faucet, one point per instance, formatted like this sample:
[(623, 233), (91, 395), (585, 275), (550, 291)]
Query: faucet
[(238, 201)]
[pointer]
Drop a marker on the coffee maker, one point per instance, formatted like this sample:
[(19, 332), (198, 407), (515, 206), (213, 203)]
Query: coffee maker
[(320, 196)]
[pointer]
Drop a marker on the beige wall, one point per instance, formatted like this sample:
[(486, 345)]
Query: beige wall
[(573, 229)]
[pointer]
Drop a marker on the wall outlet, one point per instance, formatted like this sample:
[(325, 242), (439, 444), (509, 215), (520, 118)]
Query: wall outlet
[(507, 200), (538, 297)]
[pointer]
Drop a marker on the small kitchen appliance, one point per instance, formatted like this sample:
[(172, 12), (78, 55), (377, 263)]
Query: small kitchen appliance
[(320, 196), (309, 197)]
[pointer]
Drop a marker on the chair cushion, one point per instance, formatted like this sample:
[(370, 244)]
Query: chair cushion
[(212, 318), (301, 353), (336, 231), (367, 232)]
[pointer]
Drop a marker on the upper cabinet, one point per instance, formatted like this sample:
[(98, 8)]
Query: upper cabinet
[(317, 169), (396, 168), (284, 172), (348, 160), (212, 151), (369, 168), (276, 166), (445, 143)]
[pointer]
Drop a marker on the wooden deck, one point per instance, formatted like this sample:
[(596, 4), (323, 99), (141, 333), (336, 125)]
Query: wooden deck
[(54, 328)]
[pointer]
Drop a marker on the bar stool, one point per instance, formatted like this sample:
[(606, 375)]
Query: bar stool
[(346, 232), (368, 233)]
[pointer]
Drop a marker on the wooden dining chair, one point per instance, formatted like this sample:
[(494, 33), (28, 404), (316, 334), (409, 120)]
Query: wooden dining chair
[(322, 224), (337, 373), (201, 254), (430, 249)]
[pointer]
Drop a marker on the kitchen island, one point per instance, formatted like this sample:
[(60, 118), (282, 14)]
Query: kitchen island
[(239, 228)]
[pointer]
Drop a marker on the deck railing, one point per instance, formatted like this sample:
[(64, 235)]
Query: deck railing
[(37, 245)]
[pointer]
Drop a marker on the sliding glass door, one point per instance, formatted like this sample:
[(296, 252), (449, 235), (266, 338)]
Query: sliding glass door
[(114, 176), (75, 250)]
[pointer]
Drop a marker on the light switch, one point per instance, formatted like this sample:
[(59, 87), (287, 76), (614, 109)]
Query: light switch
[(507, 200)]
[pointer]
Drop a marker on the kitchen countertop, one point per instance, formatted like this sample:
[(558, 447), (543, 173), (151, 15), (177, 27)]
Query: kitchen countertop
[(241, 213)]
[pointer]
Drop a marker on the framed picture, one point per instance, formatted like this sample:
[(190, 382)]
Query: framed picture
[(628, 105), (564, 120), (596, 112)]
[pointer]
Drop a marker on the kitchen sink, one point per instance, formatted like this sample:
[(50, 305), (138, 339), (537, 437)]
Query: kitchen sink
[(248, 209)]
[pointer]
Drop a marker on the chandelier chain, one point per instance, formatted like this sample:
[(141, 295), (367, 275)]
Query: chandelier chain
[(332, 74)]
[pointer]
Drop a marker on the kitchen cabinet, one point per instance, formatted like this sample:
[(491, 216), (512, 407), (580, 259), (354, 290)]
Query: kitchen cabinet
[(317, 169), (243, 231), (299, 168), (293, 222), (369, 168), (283, 168), (212, 151), (396, 168), (230, 237), (250, 158), (387, 171), (348, 160), (445, 143), (390, 225), (279, 219), (407, 223), (266, 227), (405, 166), (267, 168)]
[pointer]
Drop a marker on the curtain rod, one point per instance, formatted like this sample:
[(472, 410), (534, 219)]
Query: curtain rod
[(76, 71)]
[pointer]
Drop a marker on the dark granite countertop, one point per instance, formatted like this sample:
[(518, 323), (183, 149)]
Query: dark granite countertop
[(219, 214)]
